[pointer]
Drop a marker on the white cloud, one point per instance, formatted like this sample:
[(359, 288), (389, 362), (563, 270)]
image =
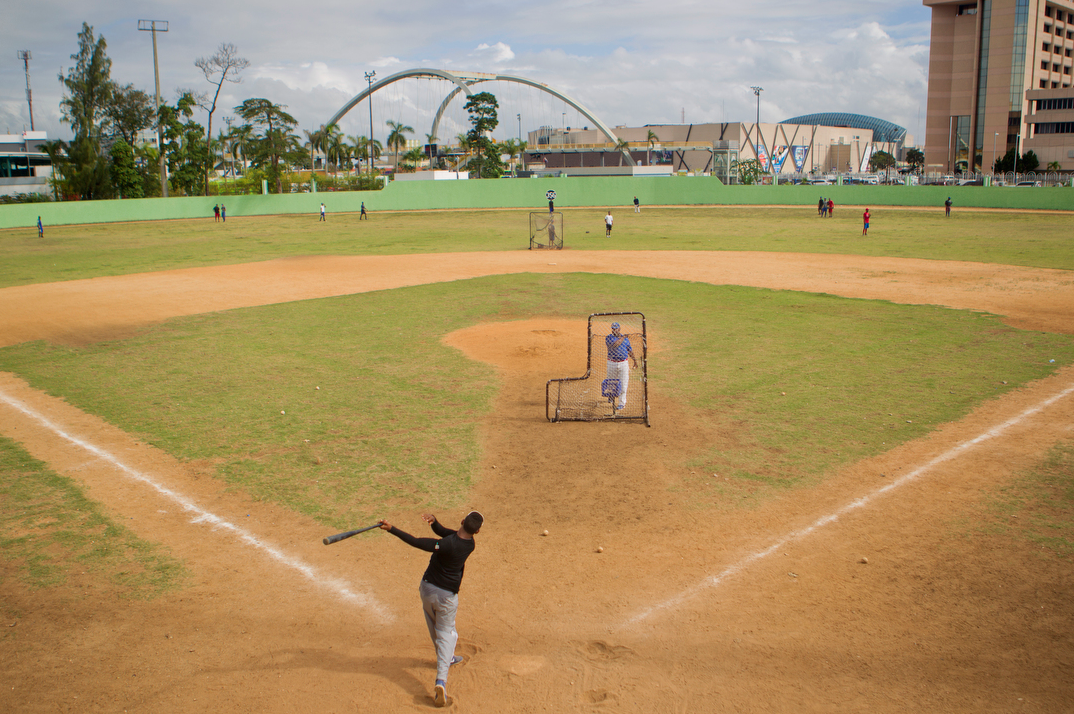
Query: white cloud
[(498, 52)]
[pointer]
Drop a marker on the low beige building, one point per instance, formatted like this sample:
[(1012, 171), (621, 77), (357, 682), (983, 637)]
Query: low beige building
[(709, 148)]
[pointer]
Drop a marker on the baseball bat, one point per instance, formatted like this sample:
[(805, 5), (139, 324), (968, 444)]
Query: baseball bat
[(341, 536)]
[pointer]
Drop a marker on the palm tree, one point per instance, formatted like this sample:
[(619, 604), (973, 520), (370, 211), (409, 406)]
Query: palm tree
[(466, 147), (333, 143), (315, 140), (621, 146), (397, 137), (431, 139), (243, 134), (362, 146), (509, 147), (414, 157), (521, 147), (652, 138)]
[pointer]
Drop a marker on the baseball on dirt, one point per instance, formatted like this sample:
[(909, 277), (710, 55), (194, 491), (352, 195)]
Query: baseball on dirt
[(600, 549), (544, 533)]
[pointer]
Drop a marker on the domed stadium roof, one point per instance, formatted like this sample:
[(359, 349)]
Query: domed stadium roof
[(883, 131)]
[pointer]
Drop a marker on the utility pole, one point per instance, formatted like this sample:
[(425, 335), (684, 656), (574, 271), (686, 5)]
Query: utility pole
[(25, 56), (151, 26), (369, 77)]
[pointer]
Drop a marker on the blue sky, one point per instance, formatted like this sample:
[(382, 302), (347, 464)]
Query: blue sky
[(631, 63)]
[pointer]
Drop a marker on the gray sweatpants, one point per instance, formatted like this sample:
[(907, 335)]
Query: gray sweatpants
[(440, 606)]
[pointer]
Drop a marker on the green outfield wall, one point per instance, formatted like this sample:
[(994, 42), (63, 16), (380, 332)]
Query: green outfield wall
[(603, 192)]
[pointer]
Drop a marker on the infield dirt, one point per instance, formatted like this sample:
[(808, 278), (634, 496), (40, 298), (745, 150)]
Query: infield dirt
[(685, 610)]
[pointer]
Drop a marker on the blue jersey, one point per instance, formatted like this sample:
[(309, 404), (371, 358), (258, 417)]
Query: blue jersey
[(618, 353)]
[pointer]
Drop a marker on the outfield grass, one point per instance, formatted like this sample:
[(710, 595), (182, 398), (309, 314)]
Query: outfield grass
[(52, 532), (75, 252), (394, 422)]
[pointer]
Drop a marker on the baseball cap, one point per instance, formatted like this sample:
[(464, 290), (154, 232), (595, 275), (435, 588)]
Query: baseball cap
[(615, 325)]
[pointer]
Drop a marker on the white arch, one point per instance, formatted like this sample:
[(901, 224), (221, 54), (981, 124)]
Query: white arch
[(463, 82)]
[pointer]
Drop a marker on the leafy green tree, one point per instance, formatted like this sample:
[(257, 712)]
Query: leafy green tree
[(186, 148), (749, 171), (622, 146), (88, 91), (129, 112), (88, 86), (125, 179), (1026, 162), (276, 140), (916, 159), (881, 161), (397, 137), (224, 66), (482, 108)]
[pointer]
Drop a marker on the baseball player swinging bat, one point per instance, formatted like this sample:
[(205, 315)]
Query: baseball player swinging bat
[(342, 536)]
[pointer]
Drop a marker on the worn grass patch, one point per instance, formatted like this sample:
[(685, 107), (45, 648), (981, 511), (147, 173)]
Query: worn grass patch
[(1038, 506), (49, 529), (342, 407)]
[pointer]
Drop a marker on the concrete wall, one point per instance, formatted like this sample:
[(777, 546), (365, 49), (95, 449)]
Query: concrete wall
[(611, 192)]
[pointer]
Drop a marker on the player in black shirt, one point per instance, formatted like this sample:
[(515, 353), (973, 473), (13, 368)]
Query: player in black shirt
[(439, 587)]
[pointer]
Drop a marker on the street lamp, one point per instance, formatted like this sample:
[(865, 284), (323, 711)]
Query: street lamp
[(757, 91), (151, 26), (994, 159), (369, 77)]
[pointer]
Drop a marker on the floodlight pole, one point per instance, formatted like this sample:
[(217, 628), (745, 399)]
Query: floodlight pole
[(25, 56), (151, 26), (369, 77), (994, 137)]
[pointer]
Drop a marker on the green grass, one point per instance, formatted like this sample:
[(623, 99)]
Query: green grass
[(1037, 507), (76, 252), (395, 421), (49, 529)]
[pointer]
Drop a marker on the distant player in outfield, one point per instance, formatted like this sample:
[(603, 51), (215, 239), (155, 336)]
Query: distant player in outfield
[(947, 207), (40, 228), (223, 213), (608, 223), (619, 351), (363, 215), (439, 588), (865, 220), (831, 208), (820, 206), (322, 211), (216, 213), (637, 206)]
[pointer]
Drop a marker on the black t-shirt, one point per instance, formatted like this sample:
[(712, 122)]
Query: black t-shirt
[(449, 554)]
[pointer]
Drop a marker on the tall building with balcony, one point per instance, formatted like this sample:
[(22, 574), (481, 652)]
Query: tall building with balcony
[(991, 65)]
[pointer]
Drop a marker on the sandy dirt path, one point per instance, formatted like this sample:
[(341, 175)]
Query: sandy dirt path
[(768, 609)]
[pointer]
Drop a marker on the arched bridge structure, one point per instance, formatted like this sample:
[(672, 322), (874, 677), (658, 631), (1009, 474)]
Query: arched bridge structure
[(463, 82)]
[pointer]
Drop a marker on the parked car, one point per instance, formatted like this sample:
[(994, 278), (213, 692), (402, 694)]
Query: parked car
[(1028, 183)]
